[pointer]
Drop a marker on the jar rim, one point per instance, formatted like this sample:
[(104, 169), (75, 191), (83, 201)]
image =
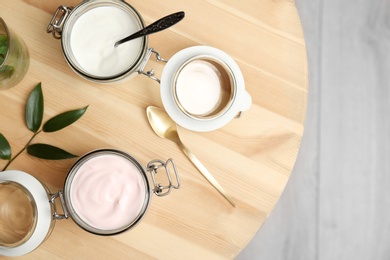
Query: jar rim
[(73, 212), (224, 69), (27, 197), (84, 7)]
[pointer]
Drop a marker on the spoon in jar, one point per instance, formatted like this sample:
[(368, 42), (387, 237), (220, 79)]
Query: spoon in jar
[(166, 128), (157, 26)]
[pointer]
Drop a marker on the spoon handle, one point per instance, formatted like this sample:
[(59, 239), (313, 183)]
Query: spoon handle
[(206, 174), (157, 26)]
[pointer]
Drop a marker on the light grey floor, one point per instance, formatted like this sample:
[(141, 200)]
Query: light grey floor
[(337, 202)]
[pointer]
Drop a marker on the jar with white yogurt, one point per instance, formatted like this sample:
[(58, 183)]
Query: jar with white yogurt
[(88, 33), (106, 192)]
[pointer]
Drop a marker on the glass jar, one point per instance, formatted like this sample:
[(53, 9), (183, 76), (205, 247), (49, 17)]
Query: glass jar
[(119, 194), (14, 57), (88, 33)]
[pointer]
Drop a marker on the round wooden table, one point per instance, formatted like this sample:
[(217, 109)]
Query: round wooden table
[(252, 157)]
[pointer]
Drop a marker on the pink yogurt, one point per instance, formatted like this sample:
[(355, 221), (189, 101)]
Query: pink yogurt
[(108, 192)]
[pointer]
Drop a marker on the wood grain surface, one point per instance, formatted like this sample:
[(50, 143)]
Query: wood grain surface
[(252, 157)]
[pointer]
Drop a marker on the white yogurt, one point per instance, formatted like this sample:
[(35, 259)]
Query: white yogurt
[(198, 88), (93, 37)]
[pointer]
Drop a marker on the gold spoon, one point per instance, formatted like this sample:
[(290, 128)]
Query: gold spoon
[(166, 128)]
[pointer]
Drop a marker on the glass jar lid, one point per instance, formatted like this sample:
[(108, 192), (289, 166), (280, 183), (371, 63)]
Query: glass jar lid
[(43, 212)]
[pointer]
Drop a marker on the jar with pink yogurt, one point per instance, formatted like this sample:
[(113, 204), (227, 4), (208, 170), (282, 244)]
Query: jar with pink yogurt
[(106, 192)]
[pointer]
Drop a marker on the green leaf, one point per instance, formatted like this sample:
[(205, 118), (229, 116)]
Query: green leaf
[(34, 109), (63, 120), (3, 47), (48, 152), (6, 72), (5, 148)]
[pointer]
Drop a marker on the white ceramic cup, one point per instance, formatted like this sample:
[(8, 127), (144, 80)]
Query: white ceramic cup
[(228, 95)]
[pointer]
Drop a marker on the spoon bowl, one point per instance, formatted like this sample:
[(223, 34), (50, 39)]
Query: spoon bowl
[(162, 124), (166, 128)]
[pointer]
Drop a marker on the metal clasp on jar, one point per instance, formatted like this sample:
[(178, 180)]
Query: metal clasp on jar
[(57, 215), (58, 20), (150, 73), (159, 189)]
